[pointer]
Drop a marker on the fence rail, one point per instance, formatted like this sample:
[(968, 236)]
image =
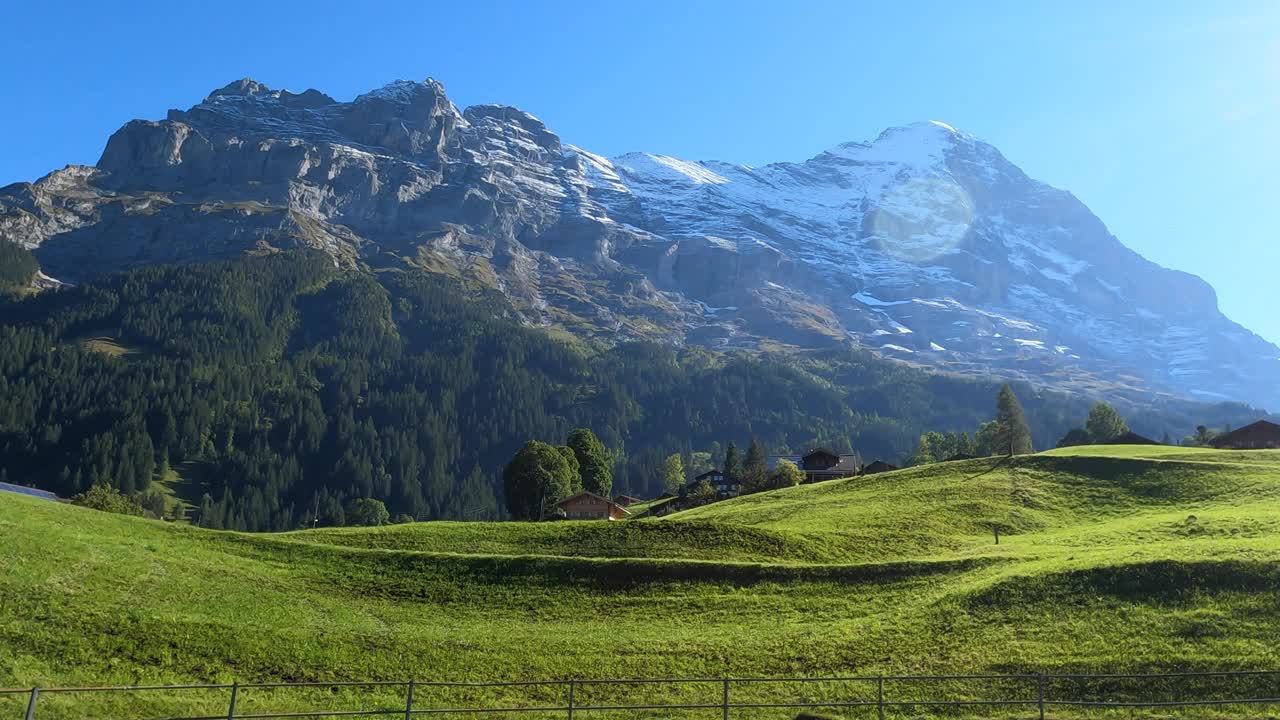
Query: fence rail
[(1039, 699)]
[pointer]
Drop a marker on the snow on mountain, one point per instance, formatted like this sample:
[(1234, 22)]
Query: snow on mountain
[(926, 235)]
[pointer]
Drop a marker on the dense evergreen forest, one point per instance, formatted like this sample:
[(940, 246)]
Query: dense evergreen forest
[(283, 388)]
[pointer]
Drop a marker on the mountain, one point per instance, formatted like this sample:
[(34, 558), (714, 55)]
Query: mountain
[(925, 245)]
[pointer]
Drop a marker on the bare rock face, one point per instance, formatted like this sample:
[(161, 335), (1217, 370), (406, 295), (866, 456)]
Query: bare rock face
[(925, 245)]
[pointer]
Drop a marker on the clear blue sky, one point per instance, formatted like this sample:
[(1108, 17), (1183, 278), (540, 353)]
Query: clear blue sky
[(1161, 116)]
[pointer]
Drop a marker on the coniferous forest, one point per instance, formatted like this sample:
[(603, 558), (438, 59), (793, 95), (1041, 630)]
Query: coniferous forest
[(282, 388)]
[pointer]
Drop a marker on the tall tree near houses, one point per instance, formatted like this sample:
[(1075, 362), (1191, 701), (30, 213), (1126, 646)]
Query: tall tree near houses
[(755, 471), (594, 461), (538, 477), (1104, 424), (732, 462), (673, 473), (575, 470), (1013, 437)]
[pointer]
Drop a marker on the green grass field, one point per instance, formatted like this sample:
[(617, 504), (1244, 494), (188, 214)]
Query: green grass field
[(1110, 559)]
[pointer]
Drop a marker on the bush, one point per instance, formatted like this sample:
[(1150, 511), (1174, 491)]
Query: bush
[(108, 499), (367, 511)]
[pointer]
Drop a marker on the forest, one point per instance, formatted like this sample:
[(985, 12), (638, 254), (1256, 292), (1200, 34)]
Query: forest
[(282, 388)]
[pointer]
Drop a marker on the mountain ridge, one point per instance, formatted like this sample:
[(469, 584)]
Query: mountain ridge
[(925, 244)]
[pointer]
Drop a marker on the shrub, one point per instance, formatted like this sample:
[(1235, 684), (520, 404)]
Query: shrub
[(108, 499)]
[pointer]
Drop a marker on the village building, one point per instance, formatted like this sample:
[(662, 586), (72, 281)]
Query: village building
[(878, 466), (724, 485), (627, 500), (821, 464), (1132, 438), (1262, 435), (590, 506)]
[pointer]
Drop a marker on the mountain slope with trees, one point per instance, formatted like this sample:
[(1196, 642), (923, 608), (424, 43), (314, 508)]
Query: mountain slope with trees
[(283, 388)]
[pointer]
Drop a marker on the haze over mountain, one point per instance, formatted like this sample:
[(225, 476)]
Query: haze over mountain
[(925, 244)]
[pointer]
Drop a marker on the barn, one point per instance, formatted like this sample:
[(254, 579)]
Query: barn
[(1262, 435)]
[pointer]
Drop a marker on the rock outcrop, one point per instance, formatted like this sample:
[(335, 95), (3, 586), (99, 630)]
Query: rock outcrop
[(926, 244)]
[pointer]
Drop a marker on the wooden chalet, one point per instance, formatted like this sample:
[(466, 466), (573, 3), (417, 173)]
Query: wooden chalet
[(724, 485), (878, 466), (590, 506), (821, 464), (1262, 435), (627, 500), (1132, 438)]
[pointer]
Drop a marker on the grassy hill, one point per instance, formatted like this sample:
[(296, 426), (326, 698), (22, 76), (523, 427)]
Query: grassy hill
[(1117, 559)]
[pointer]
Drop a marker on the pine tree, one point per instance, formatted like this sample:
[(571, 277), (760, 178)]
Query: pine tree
[(732, 463), (755, 471), (673, 473), (1013, 437)]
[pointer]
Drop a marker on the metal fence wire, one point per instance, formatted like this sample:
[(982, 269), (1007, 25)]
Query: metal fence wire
[(729, 696)]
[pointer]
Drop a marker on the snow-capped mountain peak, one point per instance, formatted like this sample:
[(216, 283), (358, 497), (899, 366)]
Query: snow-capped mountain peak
[(924, 244)]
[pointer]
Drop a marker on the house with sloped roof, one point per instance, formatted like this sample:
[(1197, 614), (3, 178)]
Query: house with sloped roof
[(878, 466), (1261, 435), (821, 464), (590, 506), (724, 485)]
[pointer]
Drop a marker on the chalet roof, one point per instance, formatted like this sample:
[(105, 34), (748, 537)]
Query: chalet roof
[(847, 462), (878, 466), (821, 451), (1263, 427), (628, 499), (1132, 438), (724, 480), (709, 473), (588, 494)]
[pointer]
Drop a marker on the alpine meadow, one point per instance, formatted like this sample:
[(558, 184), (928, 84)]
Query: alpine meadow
[(327, 394)]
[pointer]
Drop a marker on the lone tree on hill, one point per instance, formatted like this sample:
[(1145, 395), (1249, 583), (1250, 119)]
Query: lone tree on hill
[(673, 473), (1104, 424), (1012, 436), (755, 472), (537, 478), (593, 461)]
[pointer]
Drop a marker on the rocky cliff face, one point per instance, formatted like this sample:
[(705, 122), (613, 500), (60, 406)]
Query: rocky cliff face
[(926, 244)]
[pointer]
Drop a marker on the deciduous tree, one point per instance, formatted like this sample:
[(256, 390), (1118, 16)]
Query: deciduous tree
[(595, 466), (1104, 424), (538, 477)]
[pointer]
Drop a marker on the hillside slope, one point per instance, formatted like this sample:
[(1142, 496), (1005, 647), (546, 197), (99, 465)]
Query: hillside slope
[(1113, 559), (294, 386)]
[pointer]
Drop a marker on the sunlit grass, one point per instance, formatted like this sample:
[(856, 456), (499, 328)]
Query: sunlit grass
[(1132, 559)]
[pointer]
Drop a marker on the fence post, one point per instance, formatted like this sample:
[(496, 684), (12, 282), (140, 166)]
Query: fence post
[(725, 699), (572, 684), (408, 702), (231, 709), (1040, 693), (31, 704), (880, 697)]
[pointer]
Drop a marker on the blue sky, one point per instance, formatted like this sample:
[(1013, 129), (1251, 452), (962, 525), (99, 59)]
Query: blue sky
[(1161, 116)]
